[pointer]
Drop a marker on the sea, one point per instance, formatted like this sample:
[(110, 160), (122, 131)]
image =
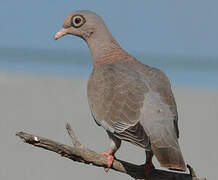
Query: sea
[(199, 72)]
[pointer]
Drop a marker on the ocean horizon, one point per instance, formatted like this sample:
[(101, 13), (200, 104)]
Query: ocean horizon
[(200, 72)]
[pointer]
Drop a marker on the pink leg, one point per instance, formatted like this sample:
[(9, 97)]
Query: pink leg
[(110, 158), (114, 146)]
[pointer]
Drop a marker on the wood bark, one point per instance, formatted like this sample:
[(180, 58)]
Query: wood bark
[(80, 153)]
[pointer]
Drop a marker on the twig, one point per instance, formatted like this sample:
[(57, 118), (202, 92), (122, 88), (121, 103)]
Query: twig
[(72, 135), (81, 154)]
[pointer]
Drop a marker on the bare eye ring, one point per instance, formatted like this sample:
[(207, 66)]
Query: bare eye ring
[(77, 21)]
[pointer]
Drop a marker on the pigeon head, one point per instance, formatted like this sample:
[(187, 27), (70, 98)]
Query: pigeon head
[(84, 23), (90, 27)]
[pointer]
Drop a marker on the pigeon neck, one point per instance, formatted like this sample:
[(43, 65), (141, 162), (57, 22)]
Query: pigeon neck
[(105, 49)]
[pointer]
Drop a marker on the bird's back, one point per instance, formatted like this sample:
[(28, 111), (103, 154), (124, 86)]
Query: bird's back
[(135, 103)]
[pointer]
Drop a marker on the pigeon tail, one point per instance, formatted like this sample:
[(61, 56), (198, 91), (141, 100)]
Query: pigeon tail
[(170, 158)]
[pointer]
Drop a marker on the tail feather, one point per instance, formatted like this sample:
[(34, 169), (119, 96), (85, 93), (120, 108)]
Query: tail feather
[(170, 157)]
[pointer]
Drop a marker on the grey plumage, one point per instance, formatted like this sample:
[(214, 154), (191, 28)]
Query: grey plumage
[(130, 100)]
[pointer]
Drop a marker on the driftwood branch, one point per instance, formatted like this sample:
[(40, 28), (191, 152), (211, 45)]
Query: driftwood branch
[(79, 153)]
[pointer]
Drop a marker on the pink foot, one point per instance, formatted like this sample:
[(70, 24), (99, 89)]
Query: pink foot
[(110, 159), (148, 168)]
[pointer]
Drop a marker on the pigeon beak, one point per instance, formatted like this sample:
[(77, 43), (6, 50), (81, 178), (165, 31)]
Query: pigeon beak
[(60, 34)]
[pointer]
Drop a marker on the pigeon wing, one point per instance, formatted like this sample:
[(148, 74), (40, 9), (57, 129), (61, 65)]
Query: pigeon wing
[(115, 97)]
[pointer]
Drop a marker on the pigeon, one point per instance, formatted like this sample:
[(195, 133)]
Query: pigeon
[(130, 100)]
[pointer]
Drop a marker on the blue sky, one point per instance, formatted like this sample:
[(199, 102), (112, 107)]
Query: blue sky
[(187, 27)]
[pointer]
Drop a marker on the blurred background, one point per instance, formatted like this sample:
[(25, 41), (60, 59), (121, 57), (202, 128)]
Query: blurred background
[(43, 82)]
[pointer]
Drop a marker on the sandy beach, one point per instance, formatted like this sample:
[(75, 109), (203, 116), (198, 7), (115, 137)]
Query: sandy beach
[(42, 105)]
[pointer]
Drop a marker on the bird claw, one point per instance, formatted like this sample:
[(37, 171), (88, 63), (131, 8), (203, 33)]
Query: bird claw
[(110, 159)]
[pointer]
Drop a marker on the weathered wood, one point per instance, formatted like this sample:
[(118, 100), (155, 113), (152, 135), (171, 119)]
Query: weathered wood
[(79, 153)]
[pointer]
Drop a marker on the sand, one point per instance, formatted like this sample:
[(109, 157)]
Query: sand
[(43, 104)]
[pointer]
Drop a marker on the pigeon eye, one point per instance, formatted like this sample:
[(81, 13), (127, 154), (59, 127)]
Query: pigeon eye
[(77, 21)]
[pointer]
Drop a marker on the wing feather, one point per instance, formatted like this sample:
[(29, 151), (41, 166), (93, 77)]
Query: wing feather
[(115, 99)]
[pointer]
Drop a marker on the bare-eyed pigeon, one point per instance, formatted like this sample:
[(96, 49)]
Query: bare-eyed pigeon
[(131, 101)]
